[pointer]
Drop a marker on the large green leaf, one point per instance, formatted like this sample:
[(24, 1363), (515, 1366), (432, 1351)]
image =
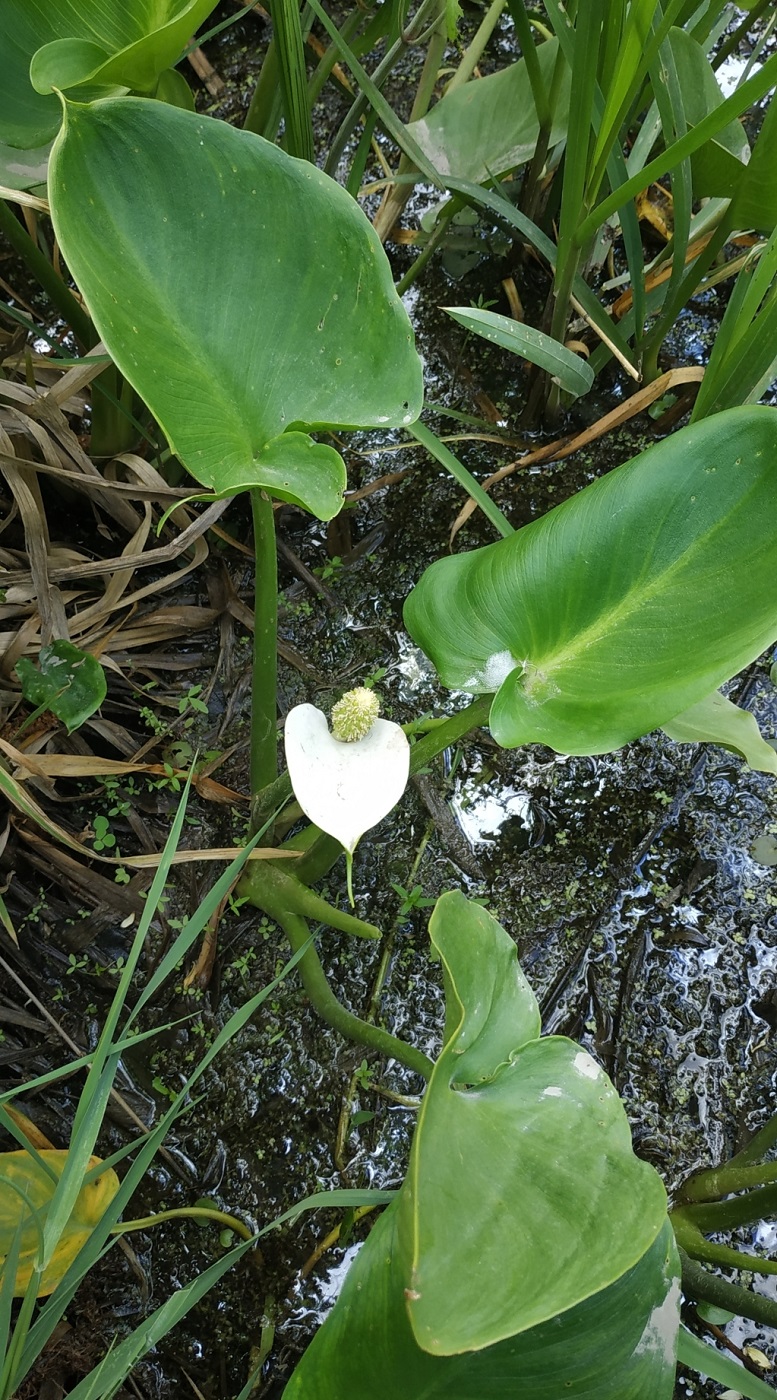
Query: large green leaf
[(522, 1156), (105, 43), (241, 292), (489, 125), (715, 720), (625, 605), (617, 1345)]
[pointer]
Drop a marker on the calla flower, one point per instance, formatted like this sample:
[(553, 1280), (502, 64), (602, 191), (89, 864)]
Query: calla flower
[(346, 785)]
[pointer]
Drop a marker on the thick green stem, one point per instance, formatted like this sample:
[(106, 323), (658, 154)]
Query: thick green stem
[(474, 51), (758, 1146), (52, 284), (712, 1185), (231, 1222), (268, 886), (711, 1217), (700, 1284), (264, 741), (473, 716), (689, 1236), (324, 1001), (268, 800)]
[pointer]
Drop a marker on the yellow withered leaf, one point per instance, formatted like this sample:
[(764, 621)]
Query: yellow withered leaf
[(26, 1191)]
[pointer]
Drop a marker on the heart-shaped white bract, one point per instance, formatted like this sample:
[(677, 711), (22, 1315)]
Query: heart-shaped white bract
[(345, 788)]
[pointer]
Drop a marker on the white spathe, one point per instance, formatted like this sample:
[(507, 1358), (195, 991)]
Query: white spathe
[(345, 788)]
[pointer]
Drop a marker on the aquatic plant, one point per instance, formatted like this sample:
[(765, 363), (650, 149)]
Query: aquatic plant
[(620, 611)]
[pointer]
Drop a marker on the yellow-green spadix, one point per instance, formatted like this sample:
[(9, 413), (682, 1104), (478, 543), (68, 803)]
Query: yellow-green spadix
[(346, 785)]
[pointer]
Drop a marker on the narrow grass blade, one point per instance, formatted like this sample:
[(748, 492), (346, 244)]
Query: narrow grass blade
[(194, 926), (731, 108), (94, 1096), (290, 49), (573, 373), (58, 1302), (390, 121), (692, 1351), (116, 1366), (440, 452)]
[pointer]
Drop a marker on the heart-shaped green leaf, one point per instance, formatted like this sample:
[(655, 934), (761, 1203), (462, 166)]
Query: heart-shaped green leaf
[(522, 1161), (67, 681), (624, 606), (242, 293), (27, 1185), (715, 720), (107, 44), (617, 1345)]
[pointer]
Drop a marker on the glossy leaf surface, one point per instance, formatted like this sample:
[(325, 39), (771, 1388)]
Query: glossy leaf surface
[(715, 720), (68, 681), (26, 1191), (23, 170), (105, 43), (572, 372), (243, 295), (489, 126), (522, 1163), (624, 606), (618, 1345)]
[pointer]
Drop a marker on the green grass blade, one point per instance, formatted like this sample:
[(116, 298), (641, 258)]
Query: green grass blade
[(194, 926), (748, 369), (54, 1308), (692, 1351), (666, 86), (390, 121), (573, 373), (290, 49), (116, 1366), (440, 452), (506, 213), (94, 1096), (641, 41), (731, 108)]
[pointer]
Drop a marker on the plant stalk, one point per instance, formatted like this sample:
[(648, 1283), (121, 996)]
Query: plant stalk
[(231, 1222), (264, 742), (324, 1001), (700, 1284)]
